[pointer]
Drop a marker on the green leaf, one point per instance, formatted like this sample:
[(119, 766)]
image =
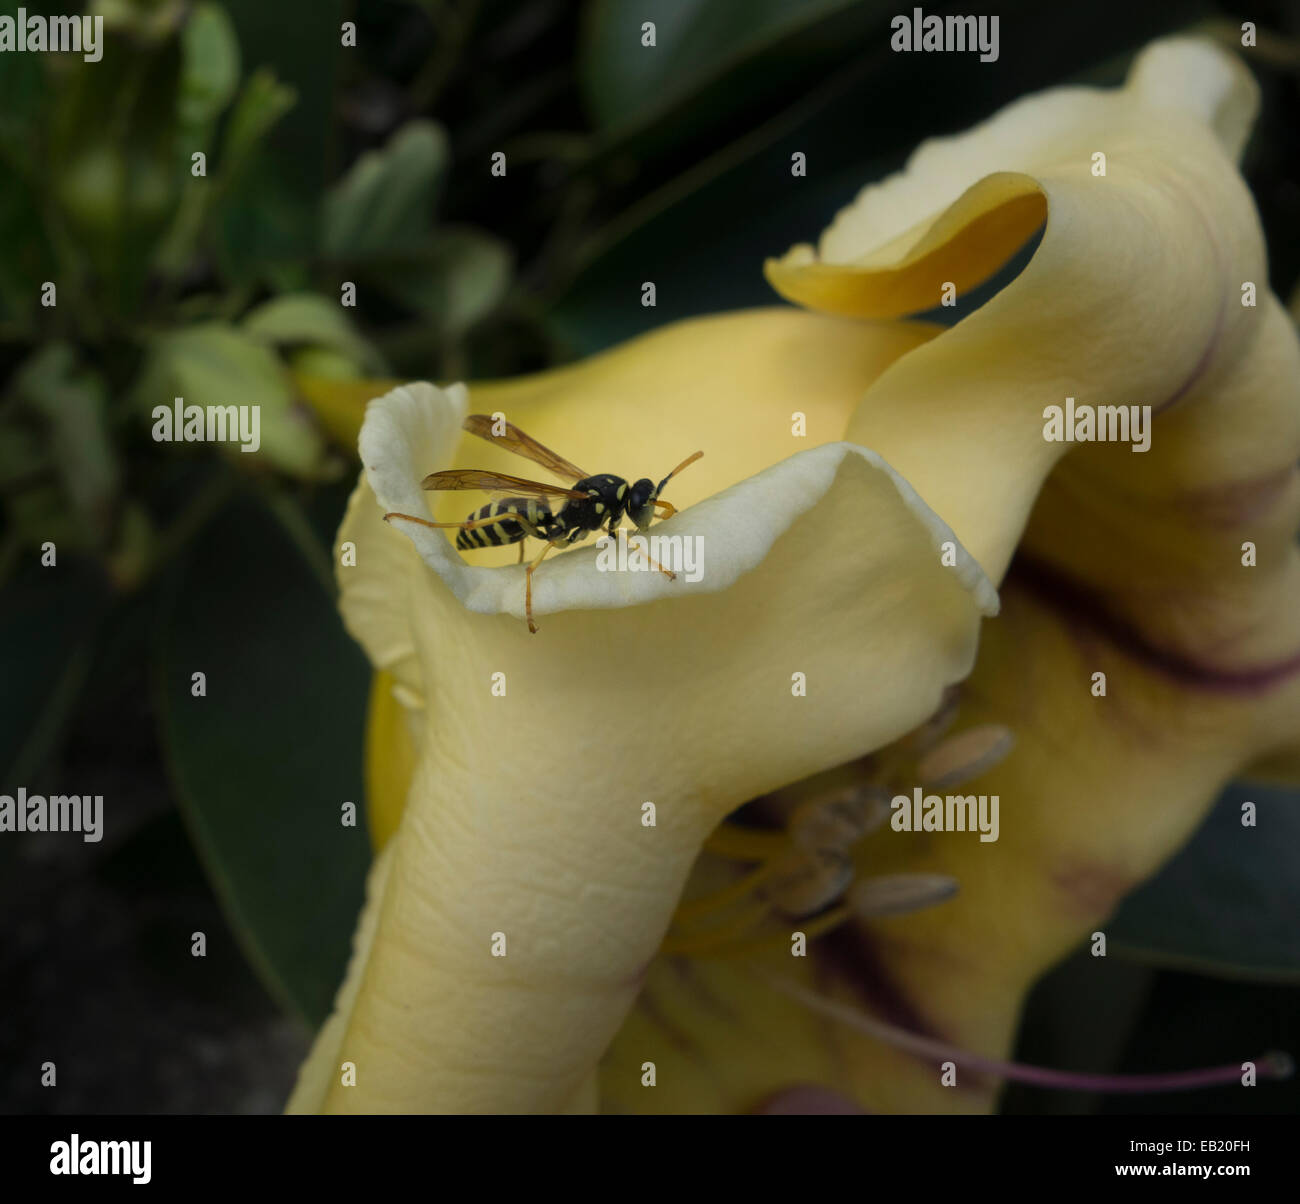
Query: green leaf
[(602, 305), (264, 763), (23, 88), (385, 202), (213, 364), (300, 41), (263, 100), (209, 66), (309, 319), (265, 228), (856, 117), (74, 405), (1227, 904), (696, 43), (49, 619), (209, 80), (266, 232), (110, 161), (453, 280), (28, 258)]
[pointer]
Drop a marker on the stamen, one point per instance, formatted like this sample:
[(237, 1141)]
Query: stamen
[(705, 905), (934, 728), (1273, 1065), (719, 940), (898, 894), (805, 882), (839, 820), (965, 755)]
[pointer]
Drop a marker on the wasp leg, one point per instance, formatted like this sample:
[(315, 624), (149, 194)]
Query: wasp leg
[(521, 549), (467, 525), (528, 584), (654, 564)]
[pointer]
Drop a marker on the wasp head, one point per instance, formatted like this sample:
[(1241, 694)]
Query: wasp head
[(640, 502)]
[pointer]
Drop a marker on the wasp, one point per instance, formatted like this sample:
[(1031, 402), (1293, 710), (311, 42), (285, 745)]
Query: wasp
[(556, 515)]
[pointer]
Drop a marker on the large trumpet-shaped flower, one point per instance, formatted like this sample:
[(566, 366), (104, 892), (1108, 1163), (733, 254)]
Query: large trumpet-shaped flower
[(517, 906)]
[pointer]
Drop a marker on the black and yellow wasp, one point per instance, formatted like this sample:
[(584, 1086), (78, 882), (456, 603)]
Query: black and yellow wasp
[(523, 508)]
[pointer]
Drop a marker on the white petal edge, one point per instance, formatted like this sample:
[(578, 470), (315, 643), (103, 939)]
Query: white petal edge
[(1199, 78), (1184, 77), (416, 428)]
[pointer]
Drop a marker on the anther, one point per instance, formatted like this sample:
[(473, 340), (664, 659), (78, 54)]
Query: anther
[(897, 894), (803, 882), (965, 755), (839, 820)]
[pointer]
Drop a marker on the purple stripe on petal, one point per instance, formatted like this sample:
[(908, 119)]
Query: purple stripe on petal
[(1088, 607)]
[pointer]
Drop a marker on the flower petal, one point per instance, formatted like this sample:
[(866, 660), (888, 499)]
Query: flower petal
[(1091, 317), (1097, 794), (984, 192), (727, 382)]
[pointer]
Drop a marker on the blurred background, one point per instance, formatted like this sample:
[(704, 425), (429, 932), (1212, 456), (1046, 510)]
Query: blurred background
[(370, 164)]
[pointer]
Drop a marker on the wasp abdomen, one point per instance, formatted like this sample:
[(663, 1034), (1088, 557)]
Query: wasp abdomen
[(508, 530)]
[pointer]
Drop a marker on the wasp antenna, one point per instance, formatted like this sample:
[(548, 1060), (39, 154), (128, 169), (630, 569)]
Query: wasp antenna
[(684, 464), (660, 487)]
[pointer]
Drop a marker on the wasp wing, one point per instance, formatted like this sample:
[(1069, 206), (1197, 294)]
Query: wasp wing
[(513, 439), (496, 483)]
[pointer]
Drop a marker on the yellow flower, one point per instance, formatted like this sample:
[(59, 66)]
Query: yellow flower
[(522, 811), (526, 815)]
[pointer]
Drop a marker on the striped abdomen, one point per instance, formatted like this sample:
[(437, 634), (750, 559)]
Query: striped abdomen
[(508, 530)]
